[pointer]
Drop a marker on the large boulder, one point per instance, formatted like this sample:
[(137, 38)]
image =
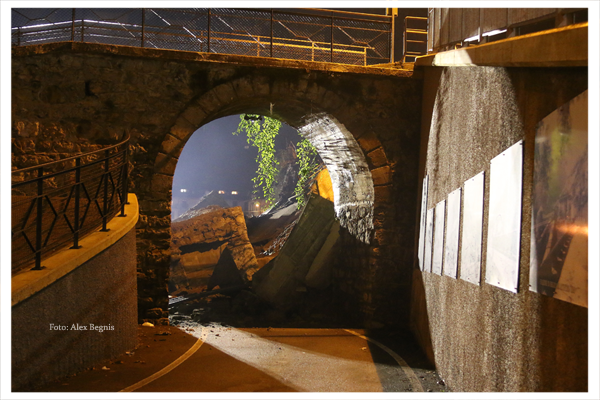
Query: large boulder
[(197, 245)]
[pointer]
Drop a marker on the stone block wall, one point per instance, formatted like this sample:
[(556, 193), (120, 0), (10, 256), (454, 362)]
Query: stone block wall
[(71, 97)]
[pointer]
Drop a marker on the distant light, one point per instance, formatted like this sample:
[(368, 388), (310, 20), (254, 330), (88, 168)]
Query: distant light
[(221, 192), (257, 205), (234, 192), (494, 32), (183, 190)]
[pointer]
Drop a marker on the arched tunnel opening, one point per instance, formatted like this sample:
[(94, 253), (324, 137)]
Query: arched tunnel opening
[(247, 253)]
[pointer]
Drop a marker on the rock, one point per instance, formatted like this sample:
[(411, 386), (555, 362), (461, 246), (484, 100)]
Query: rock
[(154, 313), (287, 272), (199, 243), (208, 203)]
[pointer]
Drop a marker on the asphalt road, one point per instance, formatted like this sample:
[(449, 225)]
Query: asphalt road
[(214, 358)]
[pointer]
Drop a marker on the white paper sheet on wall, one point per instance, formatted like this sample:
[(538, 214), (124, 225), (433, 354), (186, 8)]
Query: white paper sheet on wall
[(452, 234), (504, 222), (438, 238), (422, 223), (470, 260), (428, 240)]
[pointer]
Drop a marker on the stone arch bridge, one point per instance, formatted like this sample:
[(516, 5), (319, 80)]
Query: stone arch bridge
[(364, 121)]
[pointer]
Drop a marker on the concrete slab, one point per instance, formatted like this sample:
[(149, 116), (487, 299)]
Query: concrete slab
[(287, 271), (561, 47)]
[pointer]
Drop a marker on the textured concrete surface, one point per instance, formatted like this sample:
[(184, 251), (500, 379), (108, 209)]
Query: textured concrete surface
[(46, 341), (483, 338)]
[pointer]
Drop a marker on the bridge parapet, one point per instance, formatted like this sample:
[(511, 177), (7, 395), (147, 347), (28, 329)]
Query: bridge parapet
[(308, 34)]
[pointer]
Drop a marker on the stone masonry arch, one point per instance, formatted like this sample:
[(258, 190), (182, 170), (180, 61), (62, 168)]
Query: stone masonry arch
[(341, 153), (71, 97)]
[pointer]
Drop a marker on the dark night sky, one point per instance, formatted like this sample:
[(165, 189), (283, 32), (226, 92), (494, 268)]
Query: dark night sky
[(214, 159)]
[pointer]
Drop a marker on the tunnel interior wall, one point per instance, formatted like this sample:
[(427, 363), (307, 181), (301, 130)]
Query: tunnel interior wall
[(481, 337), (51, 333), (75, 97)]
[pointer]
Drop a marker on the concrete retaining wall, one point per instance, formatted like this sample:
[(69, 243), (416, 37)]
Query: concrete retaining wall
[(46, 344), (483, 338)]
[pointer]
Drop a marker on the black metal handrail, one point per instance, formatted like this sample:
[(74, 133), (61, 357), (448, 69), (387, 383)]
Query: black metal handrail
[(53, 203), (311, 34)]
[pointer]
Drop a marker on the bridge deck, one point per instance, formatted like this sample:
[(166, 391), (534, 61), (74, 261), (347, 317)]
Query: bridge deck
[(395, 69)]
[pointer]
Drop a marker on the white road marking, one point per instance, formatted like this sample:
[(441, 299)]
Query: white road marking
[(169, 367), (410, 374)]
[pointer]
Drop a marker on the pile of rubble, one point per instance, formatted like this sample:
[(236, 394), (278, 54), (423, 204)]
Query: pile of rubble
[(274, 270)]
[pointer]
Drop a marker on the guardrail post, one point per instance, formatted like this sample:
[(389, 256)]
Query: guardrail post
[(143, 25), (82, 28), (77, 204), (73, 25), (331, 37), (393, 38), (105, 202), (208, 33), (125, 188), (271, 33), (38, 220)]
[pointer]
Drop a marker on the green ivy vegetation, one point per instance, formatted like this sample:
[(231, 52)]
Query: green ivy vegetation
[(261, 133), (308, 167), (262, 136)]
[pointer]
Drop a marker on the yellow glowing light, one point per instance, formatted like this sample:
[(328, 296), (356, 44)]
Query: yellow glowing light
[(573, 229), (234, 192), (221, 192), (257, 205)]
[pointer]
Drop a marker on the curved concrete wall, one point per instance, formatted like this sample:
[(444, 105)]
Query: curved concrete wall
[(481, 337), (98, 294)]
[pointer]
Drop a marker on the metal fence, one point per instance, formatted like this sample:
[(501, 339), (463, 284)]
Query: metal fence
[(309, 34), (55, 204)]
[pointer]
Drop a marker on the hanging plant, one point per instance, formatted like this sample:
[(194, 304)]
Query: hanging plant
[(308, 167), (261, 133), (262, 136)]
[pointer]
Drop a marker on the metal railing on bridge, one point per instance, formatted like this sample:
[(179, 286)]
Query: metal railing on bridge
[(308, 34), (55, 204)]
